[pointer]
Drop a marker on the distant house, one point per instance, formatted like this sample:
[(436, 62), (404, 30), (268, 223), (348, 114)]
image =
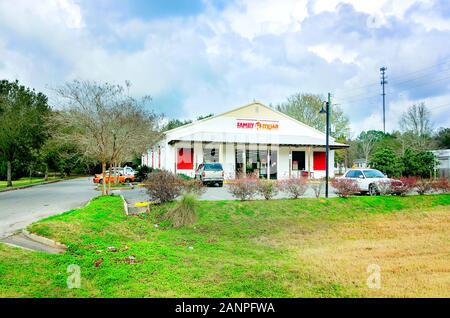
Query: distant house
[(360, 163), (443, 167)]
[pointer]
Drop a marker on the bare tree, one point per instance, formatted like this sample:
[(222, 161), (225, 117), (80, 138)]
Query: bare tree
[(106, 123), (367, 141), (87, 118), (417, 127), (134, 129)]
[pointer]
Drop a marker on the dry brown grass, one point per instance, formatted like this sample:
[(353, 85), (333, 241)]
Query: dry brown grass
[(412, 249)]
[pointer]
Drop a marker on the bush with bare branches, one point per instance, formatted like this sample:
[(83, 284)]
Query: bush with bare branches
[(404, 185), (163, 186), (344, 187), (267, 188), (441, 185), (423, 186), (317, 186), (243, 188), (193, 186), (384, 187), (294, 187)]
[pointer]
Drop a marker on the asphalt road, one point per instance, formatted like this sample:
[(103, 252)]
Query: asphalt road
[(19, 208)]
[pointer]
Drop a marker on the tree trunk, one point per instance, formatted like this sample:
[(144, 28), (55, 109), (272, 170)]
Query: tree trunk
[(46, 173), (109, 177), (8, 174), (116, 178), (104, 178)]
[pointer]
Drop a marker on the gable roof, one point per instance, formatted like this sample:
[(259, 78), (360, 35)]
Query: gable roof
[(243, 107), (240, 138)]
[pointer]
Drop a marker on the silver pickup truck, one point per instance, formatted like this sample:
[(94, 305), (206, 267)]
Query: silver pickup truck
[(210, 173)]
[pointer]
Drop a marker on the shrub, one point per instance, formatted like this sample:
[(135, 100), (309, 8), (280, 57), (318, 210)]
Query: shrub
[(184, 212), (384, 187), (143, 172), (163, 186), (267, 188), (243, 188), (406, 185), (423, 186), (193, 186), (344, 187), (441, 185), (295, 187), (317, 187)]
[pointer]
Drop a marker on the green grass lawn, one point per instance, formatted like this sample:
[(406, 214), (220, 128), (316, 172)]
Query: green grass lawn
[(27, 181), (279, 248)]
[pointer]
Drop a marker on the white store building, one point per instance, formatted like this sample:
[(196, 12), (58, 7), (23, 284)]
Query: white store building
[(252, 139)]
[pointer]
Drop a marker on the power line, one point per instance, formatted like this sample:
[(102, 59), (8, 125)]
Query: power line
[(403, 76), (421, 70), (398, 83), (353, 100), (440, 106)]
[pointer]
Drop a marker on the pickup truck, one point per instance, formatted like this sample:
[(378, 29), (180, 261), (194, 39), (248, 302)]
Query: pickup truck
[(210, 173), (98, 178)]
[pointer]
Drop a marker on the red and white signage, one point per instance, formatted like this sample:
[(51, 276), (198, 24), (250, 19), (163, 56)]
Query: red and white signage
[(257, 124)]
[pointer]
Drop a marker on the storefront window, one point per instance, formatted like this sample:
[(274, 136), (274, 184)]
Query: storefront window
[(185, 158), (256, 162), (211, 154), (298, 160), (273, 164)]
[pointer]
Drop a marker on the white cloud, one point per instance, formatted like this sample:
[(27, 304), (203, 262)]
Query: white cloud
[(258, 17), (264, 50), (30, 17), (331, 53)]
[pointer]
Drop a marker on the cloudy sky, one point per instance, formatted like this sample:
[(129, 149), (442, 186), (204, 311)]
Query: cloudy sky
[(200, 56)]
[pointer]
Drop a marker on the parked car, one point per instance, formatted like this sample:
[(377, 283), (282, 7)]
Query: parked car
[(369, 180), (210, 173), (98, 178), (127, 171)]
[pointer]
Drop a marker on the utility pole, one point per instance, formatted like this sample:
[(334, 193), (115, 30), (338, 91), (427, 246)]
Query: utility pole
[(327, 150), (383, 82), (326, 111)]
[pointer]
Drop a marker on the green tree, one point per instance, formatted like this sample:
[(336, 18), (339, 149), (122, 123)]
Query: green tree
[(306, 108), (418, 163), (442, 138), (392, 141), (23, 129), (387, 161), (175, 123), (205, 116)]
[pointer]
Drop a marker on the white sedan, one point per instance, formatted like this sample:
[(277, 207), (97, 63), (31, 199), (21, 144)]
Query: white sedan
[(369, 180)]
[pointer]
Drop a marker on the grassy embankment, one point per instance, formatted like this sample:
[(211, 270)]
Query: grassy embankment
[(279, 248)]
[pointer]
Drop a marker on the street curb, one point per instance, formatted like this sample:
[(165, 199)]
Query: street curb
[(18, 246), (43, 240), (30, 185)]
